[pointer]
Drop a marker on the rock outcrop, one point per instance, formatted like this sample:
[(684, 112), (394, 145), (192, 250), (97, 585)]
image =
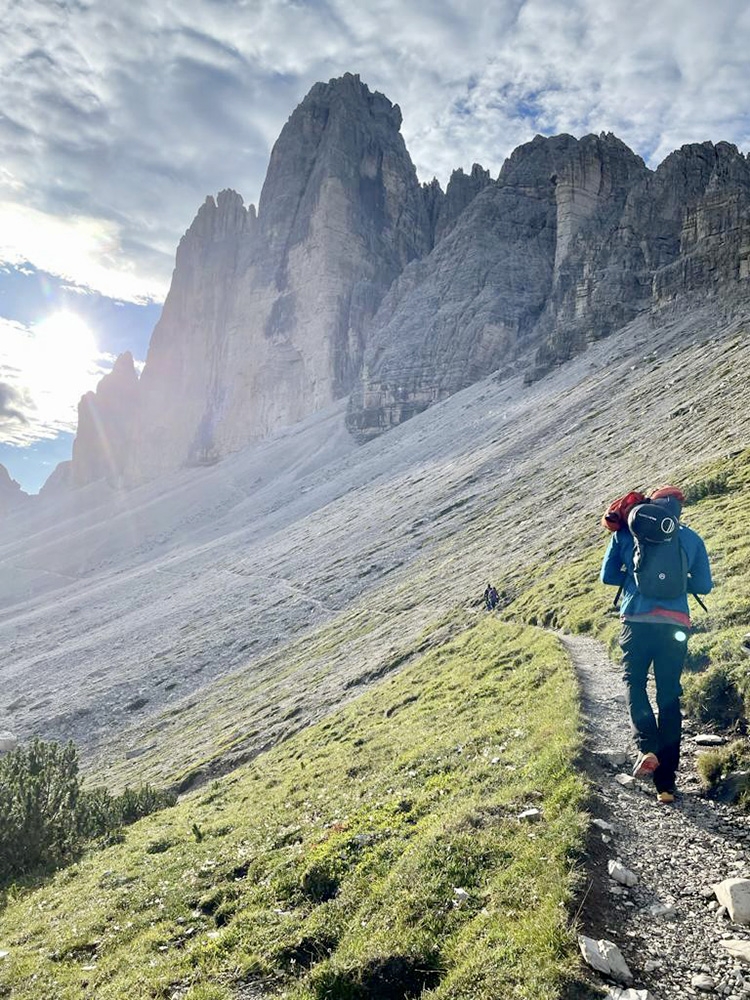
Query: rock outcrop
[(106, 419), (480, 297), (266, 317), (12, 497), (575, 239)]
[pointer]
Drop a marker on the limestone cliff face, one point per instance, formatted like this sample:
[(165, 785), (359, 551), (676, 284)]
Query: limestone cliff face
[(12, 496), (713, 230), (183, 385), (480, 297), (106, 418), (572, 242), (266, 317)]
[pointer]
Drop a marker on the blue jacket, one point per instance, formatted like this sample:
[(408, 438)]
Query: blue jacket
[(617, 568)]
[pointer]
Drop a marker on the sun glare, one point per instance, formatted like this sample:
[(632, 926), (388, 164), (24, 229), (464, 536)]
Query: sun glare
[(66, 345)]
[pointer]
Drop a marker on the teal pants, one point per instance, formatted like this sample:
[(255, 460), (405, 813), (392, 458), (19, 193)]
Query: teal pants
[(663, 646)]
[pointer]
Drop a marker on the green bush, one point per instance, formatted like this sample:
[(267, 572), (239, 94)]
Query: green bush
[(46, 817), (711, 486), (714, 696), (715, 765), (39, 807)]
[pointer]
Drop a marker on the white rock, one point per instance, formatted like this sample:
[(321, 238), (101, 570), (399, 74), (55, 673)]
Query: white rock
[(734, 893), (601, 824), (652, 964), (4, 954), (605, 957), (618, 967), (703, 982), (666, 910), (461, 896), (737, 949), (592, 954), (626, 780), (709, 740), (530, 815), (616, 758), (616, 993), (622, 874), (8, 742)]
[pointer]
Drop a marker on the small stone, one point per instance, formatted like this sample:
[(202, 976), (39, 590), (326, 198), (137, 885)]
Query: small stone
[(665, 910), (737, 949), (4, 954), (601, 824), (461, 896), (652, 964), (626, 780), (605, 957), (616, 993), (622, 874), (703, 982), (615, 758), (709, 740), (530, 815), (734, 893)]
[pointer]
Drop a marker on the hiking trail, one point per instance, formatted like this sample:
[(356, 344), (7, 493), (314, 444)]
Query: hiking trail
[(678, 853)]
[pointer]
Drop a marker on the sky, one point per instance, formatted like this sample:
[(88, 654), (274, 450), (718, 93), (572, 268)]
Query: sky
[(117, 119)]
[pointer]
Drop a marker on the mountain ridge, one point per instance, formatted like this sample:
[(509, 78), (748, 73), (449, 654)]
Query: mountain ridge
[(353, 280)]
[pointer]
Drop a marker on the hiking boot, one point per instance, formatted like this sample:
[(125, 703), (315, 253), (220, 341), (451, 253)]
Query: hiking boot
[(645, 766), (665, 798)]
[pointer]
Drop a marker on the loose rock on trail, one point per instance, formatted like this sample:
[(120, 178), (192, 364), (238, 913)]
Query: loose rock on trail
[(677, 939)]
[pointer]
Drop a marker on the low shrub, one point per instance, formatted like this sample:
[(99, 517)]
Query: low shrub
[(715, 696), (47, 817), (712, 486)]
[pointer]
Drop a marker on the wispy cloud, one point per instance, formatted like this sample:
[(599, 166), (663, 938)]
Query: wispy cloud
[(121, 117), (44, 371)]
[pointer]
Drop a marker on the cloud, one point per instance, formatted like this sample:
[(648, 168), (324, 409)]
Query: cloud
[(13, 403), (121, 117), (44, 371)]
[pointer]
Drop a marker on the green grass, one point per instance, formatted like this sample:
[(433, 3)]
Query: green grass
[(328, 866)]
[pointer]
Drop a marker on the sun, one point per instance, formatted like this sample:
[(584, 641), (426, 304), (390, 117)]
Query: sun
[(67, 347)]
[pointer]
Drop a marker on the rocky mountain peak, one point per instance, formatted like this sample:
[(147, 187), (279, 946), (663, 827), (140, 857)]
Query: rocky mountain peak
[(221, 218), (105, 425), (11, 495)]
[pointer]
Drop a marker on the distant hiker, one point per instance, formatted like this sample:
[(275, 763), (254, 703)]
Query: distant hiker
[(656, 562), (491, 597)]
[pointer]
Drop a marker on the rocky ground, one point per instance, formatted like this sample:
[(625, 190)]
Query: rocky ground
[(669, 926)]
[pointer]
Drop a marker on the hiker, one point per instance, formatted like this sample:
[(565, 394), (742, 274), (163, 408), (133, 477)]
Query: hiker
[(655, 628), (491, 597)]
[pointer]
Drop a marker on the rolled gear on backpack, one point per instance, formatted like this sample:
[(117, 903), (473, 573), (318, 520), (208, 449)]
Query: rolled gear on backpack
[(616, 515)]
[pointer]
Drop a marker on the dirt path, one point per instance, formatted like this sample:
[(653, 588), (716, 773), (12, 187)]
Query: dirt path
[(678, 852)]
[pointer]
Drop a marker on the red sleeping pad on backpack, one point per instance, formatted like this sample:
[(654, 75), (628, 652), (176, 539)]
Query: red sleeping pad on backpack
[(616, 516)]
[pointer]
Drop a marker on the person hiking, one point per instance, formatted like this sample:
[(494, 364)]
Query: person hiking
[(655, 631), (491, 597)]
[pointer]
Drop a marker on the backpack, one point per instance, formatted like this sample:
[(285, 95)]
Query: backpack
[(616, 515), (659, 560)]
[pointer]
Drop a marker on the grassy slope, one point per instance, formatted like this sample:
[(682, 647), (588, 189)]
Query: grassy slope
[(327, 867)]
